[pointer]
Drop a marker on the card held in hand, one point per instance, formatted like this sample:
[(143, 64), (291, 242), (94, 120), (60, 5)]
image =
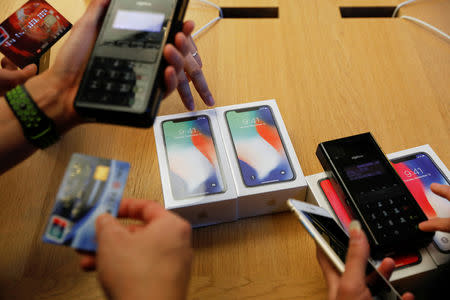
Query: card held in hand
[(91, 186)]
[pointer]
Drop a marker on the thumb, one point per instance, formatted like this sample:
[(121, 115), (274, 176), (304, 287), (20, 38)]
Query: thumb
[(28, 71), (357, 254), (108, 229)]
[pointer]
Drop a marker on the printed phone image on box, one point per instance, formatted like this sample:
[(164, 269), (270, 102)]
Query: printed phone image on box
[(31, 31), (91, 186), (194, 169), (418, 171), (258, 146)]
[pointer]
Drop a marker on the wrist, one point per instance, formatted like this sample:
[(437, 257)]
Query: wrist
[(53, 96)]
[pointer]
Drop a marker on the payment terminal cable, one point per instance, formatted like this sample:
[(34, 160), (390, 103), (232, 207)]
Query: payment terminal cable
[(418, 21), (210, 23)]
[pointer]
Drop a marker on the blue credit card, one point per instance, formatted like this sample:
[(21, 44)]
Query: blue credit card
[(91, 186)]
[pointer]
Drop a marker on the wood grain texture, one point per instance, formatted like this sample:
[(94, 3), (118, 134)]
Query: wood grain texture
[(331, 78)]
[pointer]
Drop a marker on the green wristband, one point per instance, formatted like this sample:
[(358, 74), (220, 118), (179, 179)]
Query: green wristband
[(39, 129)]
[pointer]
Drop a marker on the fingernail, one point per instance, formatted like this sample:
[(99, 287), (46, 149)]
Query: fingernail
[(354, 225), (210, 100), (355, 229)]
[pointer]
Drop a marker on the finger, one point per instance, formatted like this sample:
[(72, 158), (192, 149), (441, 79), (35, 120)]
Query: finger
[(198, 79), (182, 43), (408, 296), (87, 262), (9, 78), (441, 190), (329, 272), (386, 267), (185, 91), (194, 51), (170, 79), (188, 27), (8, 64), (357, 254), (29, 71), (437, 224), (108, 229), (143, 210), (174, 58)]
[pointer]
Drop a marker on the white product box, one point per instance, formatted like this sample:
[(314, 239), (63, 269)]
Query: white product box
[(262, 198), (189, 163), (199, 206), (439, 257), (409, 277)]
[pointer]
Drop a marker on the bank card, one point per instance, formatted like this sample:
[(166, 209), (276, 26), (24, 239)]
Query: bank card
[(30, 31), (91, 186)]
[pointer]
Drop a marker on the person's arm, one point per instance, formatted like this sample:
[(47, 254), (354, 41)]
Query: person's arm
[(147, 261), (54, 91), (438, 224), (352, 284)]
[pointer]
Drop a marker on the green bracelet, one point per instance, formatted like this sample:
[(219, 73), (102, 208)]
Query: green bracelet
[(39, 129)]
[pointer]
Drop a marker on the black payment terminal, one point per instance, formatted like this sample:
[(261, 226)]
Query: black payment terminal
[(123, 82), (375, 194)]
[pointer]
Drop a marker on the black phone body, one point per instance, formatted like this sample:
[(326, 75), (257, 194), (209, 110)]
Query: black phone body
[(124, 79), (363, 176)]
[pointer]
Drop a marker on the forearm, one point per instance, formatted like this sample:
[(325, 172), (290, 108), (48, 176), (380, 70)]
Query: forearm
[(48, 93), (14, 147)]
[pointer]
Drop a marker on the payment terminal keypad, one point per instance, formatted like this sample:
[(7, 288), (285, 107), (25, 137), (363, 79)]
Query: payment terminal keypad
[(390, 213), (118, 82)]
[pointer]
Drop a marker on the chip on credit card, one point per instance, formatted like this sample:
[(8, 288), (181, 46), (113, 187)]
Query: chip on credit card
[(91, 186)]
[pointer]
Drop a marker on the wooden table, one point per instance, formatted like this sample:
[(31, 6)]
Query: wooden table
[(332, 77)]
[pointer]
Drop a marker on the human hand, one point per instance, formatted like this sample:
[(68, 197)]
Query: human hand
[(147, 261), (352, 283), (193, 71), (438, 224), (62, 80), (10, 75)]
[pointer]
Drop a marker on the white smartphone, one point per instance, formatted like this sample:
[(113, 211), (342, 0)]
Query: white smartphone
[(333, 240)]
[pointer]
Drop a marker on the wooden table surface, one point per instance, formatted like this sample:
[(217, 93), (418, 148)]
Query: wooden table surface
[(332, 77)]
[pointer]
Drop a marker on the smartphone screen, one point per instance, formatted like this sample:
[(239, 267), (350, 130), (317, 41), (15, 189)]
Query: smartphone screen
[(345, 216), (338, 240), (31, 31), (191, 153), (418, 171), (258, 146)]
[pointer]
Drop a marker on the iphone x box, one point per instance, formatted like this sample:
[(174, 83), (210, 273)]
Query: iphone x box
[(227, 163), (263, 161), (418, 167), (196, 178)]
